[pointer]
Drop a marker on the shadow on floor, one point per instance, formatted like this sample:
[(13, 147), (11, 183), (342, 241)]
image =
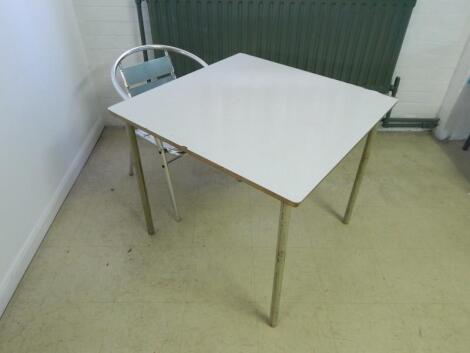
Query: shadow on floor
[(459, 157)]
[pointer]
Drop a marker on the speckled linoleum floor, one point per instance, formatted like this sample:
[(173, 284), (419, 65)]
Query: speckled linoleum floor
[(396, 279)]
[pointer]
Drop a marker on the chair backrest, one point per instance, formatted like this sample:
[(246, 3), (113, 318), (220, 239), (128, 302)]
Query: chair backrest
[(148, 74)]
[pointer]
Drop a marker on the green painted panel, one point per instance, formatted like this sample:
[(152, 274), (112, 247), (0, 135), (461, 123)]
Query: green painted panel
[(356, 41)]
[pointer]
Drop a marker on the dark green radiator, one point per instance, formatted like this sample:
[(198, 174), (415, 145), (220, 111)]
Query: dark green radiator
[(356, 41)]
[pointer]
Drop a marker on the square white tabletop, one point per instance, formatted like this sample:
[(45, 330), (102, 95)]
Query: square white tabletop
[(279, 128)]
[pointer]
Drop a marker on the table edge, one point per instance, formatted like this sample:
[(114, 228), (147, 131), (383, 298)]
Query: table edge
[(213, 164)]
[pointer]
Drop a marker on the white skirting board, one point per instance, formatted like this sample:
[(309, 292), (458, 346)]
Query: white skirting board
[(18, 267)]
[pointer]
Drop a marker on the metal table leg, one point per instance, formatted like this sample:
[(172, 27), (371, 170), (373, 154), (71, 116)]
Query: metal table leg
[(359, 175), (140, 179), (131, 165), (284, 218)]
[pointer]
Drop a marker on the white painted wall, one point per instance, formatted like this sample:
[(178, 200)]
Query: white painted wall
[(455, 110), (108, 28), (436, 36), (49, 124), (437, 33)]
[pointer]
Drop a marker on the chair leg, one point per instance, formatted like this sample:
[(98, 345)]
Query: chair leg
[(161, 152), (359, 175)]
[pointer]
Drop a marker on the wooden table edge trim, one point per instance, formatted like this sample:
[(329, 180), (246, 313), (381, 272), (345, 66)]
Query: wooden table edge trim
[(213, 164)]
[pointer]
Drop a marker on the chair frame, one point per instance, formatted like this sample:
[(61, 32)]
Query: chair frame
[(125, 94)]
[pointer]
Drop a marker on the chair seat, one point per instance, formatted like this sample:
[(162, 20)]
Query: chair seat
[(166, 146)]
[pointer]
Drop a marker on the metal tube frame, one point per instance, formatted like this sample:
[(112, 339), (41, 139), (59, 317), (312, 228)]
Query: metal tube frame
[(282, 233), (161, 152), (140, 179), (115, 68), (359, 175), (125, 94), (131, 164)]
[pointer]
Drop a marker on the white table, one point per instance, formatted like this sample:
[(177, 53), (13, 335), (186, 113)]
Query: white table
[(303, 123)]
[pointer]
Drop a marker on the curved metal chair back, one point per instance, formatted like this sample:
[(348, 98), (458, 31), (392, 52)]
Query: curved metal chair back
[(142, 77), (149, 74)]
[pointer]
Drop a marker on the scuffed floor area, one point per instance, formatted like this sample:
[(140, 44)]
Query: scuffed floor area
[(396, 279)]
